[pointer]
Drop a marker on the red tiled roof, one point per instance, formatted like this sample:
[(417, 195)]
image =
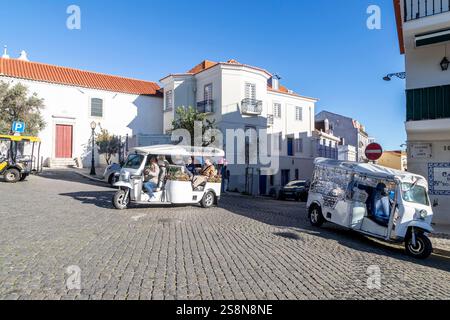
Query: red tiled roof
[(206, 64), (74, 77)]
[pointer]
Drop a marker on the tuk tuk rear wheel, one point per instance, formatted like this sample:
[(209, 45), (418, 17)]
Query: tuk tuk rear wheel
[(121, 200), (315, 216), (422, 249), (12, 175), (208, 200)]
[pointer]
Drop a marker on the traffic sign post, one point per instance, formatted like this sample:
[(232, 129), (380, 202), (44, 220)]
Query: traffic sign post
[(374, 151), (18, 127)]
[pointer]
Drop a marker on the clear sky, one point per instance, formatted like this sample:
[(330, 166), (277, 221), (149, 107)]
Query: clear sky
[(320, 48)]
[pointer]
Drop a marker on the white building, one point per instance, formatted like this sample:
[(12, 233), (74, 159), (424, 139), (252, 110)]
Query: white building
[(351, 131), (245, 97), (424, 35), (74, 98)]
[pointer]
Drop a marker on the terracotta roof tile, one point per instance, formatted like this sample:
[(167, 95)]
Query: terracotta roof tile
[(74, 77)]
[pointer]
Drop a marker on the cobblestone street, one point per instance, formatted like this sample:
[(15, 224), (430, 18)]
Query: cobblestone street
[(245, 249)]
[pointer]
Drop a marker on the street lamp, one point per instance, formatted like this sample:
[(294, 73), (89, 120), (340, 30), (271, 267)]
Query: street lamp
[(93, 126), (400, 75)]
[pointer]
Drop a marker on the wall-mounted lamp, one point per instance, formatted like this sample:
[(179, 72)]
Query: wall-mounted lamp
[(445, 64)]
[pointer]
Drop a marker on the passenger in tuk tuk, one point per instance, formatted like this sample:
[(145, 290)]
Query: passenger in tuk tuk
[(381, 204), (151, 176), (190, 167), (208, 171)]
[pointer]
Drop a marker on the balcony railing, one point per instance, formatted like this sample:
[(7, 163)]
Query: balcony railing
[(206, 106), (251, 106), (417, 9)]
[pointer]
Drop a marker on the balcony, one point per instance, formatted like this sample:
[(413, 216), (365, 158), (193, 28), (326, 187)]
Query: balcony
[(417, 9), (206, 106), (251, 106)]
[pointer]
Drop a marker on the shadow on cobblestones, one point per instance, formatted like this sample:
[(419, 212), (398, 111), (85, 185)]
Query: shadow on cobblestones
[(295, 223), (69, 176), (99, 199)]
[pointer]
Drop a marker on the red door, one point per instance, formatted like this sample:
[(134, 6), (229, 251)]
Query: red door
[(63, 142)]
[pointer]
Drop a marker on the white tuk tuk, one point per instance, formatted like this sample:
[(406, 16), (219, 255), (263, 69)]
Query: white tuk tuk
[(174, 183), (379, 202)]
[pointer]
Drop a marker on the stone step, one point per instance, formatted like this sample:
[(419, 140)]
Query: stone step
[(62, 163)]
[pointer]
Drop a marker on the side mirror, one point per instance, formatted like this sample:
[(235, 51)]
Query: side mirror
[(435, 203)]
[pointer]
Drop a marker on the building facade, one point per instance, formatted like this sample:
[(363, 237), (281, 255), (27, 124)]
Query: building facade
[(240, 96), (74, 98), (424, 37), (350, 131), (397, 160)]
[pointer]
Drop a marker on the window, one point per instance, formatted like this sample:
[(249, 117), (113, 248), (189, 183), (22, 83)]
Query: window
[(277, 110), (299, 113), (169, 100), (299, 147), (250, 91), (290, 147), (208, 92), (96, 107)]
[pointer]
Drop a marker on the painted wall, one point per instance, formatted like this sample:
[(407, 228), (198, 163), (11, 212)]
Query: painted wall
[(122, 114)]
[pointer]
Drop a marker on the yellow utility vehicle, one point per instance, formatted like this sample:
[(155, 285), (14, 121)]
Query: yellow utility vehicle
[(19, 157)]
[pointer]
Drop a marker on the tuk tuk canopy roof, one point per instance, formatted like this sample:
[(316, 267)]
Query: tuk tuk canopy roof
[(19, 138), (179, 150), (367, 169)]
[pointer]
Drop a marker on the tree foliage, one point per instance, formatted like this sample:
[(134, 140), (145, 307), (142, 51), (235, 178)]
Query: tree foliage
[(16, 104), (108, 145), (185, 118)]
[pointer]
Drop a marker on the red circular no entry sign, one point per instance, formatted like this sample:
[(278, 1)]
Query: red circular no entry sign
[(374, 151)]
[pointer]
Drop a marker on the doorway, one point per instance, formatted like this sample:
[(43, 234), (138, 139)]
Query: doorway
[(63, 141)]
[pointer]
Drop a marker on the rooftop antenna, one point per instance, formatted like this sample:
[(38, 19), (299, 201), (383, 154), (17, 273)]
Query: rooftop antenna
[(5, 53)]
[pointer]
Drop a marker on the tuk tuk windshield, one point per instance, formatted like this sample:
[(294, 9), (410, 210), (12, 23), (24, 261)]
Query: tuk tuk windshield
[(134, 161), (411, 192)]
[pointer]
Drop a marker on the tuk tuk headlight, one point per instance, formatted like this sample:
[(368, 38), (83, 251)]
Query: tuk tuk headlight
[(125, 176), (421, 215)]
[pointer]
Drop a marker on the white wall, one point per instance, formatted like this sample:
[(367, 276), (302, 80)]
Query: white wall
[(122, 113)]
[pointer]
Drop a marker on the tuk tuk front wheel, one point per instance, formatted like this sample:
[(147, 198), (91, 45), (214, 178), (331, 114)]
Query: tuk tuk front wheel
[(12, 175), (422, 249), (315, 216), (121, 200)]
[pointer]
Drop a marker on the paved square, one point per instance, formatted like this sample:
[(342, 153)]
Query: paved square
[(245, 249)]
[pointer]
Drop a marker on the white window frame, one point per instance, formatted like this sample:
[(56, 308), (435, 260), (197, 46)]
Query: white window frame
[(250, 91), (277, 112), (298, 113), (168, 95), (205, 97), (90, 108)]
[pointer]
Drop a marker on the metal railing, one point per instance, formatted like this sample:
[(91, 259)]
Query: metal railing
[(417, 9), (206, 106), (251, 106)]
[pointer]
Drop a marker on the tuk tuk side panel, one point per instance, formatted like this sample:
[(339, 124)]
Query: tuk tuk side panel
[(216, 187), (329, 189), (180, 192)]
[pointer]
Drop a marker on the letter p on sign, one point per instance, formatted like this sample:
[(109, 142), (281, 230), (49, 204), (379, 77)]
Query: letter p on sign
[(18, 127)]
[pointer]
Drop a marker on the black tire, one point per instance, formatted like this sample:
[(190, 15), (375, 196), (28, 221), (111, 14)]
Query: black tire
[(12, 175), (281, 196), (423, 248), (208, 200), (121, 200), (297, 198), (315, 216), (23, 177)]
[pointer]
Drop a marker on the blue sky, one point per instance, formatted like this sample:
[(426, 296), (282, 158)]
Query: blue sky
[(321, 48)]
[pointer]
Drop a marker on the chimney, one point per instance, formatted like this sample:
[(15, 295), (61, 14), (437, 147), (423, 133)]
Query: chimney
[(5, 53), (326, 124), (23, 56), (275, 82)]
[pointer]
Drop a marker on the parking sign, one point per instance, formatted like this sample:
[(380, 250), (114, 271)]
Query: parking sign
[(18, 127)]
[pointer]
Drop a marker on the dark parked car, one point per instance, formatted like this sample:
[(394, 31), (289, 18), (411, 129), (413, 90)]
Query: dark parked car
[(297, 190)]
